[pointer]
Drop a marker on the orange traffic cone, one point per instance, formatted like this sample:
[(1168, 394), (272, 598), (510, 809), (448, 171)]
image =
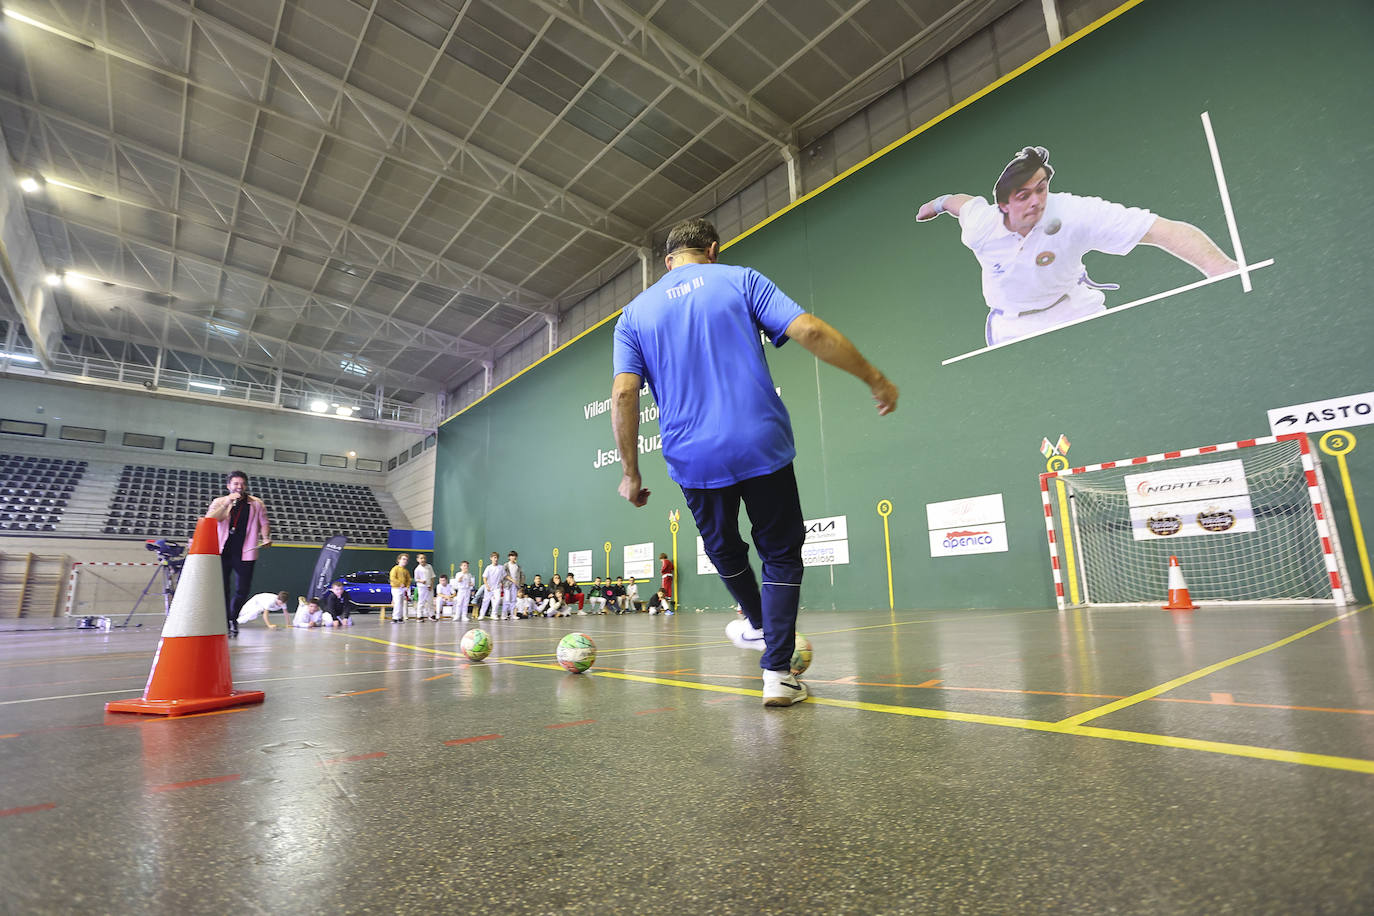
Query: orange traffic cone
[(1178, 589), (191, 668)]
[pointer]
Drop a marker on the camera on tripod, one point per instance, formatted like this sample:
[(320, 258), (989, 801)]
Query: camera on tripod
[(168, 554)]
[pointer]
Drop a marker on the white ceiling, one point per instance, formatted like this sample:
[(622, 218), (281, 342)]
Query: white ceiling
[(390, 192)]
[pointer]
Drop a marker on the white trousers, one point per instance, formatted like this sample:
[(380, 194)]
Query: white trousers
[(491, 600), (424, 600), (400, 598), (1080, 302)]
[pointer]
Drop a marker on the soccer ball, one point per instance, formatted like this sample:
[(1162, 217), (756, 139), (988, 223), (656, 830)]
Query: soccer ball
[(476, 644), (801, 654), (576, 652)]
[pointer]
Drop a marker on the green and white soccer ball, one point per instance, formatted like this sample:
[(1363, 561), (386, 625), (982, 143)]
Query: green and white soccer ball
[(801, 654), (476, 644), (576, 652)]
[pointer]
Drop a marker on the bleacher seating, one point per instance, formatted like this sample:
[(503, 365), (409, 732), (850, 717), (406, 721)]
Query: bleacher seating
[(166, 502), (34, 491)]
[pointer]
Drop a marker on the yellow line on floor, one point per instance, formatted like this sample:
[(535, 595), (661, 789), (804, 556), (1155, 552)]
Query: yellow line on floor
[(402, 645), (1277, 755), (1155, 691)]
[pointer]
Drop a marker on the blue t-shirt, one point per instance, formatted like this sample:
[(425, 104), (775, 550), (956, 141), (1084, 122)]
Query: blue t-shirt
[(694, 337)]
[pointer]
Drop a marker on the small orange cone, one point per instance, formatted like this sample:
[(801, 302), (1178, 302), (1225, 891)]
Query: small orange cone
[(1178, 589), (191, 668)]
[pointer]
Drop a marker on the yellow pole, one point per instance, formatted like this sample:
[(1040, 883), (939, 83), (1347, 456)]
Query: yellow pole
[(1340, 443), (1059, 463), (607, 547), (885, 509), (555, 561), (677, 573)]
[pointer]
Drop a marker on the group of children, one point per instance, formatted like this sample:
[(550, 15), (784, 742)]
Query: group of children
[(332, 609), (504, 595)]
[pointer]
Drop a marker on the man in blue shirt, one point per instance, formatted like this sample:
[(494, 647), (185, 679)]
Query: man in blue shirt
[(694, 336)]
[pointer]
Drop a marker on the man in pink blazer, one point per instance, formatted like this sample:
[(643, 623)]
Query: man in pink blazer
[(243, 529)]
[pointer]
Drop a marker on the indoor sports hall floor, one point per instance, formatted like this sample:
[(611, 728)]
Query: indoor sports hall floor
[(1127, 761)]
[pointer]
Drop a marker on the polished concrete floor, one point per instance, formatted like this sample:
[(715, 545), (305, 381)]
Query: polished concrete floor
[(1122, 761)]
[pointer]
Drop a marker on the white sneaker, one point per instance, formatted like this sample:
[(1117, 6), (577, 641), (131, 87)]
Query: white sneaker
[(743, 635), (781, 688), (581, 613)]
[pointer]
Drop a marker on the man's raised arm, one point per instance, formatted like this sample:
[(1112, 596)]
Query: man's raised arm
[(1189, 244)]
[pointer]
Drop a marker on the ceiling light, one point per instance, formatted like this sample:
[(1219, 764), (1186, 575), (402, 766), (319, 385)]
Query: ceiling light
[(353, 454), (53, 279), (72, 278), (19, 357), (28, 184), (344, 411), (208, 386), (318, 406)]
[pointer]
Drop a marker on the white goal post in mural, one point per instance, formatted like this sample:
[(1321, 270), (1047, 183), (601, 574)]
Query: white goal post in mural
[(1249, 522)]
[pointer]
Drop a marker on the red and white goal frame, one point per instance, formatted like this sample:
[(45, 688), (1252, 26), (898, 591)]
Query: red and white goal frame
[(75, 573), (1316, 492)]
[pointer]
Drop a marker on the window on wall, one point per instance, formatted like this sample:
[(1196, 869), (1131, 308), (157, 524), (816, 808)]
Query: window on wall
[(333, 461), (402, 458), (367, 464), (142, 440), (289, 456), (82, 434), (391, 464), (416, 449), (430, 441), (198, 446), (246, 451), (23, 428)]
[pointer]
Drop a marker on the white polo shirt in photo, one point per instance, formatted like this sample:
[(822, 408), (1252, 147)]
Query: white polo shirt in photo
[(1034, 272)]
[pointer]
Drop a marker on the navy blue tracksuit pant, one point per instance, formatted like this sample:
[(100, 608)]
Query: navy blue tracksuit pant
[(778, 533)]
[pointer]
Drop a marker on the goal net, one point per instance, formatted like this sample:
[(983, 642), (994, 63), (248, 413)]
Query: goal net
[(114, 590), (1247, 520)]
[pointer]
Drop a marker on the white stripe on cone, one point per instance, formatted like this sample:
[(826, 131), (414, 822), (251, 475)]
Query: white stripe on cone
[(198, 605)]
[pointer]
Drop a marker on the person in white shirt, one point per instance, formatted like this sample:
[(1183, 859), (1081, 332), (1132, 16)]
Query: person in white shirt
[(515, 580), (1030, 245), (493, 581), (554, 606), (308, 615), (525, 606), (262, 605), (424, 589), (631, 597), (463, 582), (444, 594)]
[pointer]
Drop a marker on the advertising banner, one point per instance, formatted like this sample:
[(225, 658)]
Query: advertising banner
[(580, 564), (955, 542), (1228, 515), (639, 561), (1199, 481), (975, 524)]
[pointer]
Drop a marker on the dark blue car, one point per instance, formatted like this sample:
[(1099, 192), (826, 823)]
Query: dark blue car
[(369, 588)]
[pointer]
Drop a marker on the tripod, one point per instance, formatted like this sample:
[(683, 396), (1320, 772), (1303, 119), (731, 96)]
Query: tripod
[(169, 570)]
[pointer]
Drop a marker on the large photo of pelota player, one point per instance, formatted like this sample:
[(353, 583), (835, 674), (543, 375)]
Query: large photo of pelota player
[(1030, 243)]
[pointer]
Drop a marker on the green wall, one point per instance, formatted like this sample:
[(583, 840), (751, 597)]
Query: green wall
[(1119, 111)]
